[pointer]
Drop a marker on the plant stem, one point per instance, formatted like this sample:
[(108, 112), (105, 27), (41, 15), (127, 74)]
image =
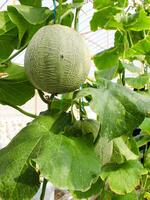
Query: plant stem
[(41, 94), (65, 14), (14, 55), (60, 11), (76, 20), (50, 101), (123, 77), (20, 110), (54, 3), (43, 189)]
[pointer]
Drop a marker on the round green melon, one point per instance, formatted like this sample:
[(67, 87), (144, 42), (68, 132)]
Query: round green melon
[(57, 59)]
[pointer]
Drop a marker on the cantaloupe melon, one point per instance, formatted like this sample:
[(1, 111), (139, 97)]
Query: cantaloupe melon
[(57, 59)]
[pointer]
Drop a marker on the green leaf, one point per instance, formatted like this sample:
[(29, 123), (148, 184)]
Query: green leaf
[(131, 68), (68, 19), (67, 158), (128, 172), (130, 196), (30, 14), (58, 158), (109, 73), (99, 4), (90, 126), (138, 82), (147, 159), (94, 190), (107, 58), (124, 150), (16, 174), (8, 36), (140, 48), (143, 140), (104, 149), (145, 126), (121, 42), (35, 3), (147, 195), (117, 105), (116, 157), (28, 20), (141, 22), (105, 18), (15, 89)]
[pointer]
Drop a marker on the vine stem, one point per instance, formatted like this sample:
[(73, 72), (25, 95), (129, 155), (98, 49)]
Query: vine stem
[(43, 189), (76, 20), (21, 110), (14, 55), (60, 11), (41, 94)]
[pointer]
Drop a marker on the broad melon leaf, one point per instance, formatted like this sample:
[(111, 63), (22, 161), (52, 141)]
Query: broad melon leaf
[(138, 82), (145, 126), (35, 3), (130, 196), (101, 59), (94, 190), (31, 14), (71, 163), (131, 68), (15, 89), (105, 18), (128, 172), (147, 159), (99, 4), (58, 158), (111, 196), (8, 36), (68, 19), (142, 47), (104, 149), (109, 73), (17, 179), (142, 140), (141, 22), (124, 150), (118, 105), (28, 20)]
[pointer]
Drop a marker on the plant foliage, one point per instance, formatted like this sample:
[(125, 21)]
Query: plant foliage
[(107, 157)]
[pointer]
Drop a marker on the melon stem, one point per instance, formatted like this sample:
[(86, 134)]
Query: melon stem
[(14, 55)]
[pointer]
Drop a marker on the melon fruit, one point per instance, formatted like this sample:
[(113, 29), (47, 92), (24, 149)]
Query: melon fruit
[(57, 59)]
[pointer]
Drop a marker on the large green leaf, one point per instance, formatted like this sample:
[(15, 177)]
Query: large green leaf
[(99, 4), (138, 82), (94, 190), (105, 18), (57, 157), (36, 3), (108, 73), (104, 149), (130, 196), (28, 20), (8, 36), (117, 105), (128, 172), (141, 22), (124, 150), (67, 158), (15, 89), (140, 48), (107, 195), (106, 59), (145, 126), (147, 159)]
